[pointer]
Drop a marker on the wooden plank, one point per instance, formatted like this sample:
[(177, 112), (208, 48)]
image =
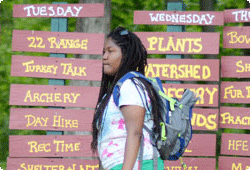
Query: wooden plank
[(57, 42), (205, 119), (178, 18), (58, 10), (236, 37), (209, 94), (235, 66), (50, 146), (56, 68), (51, 119), (201, 145), (234, 117), (192, 164), (235, 92), (51, 164), (237, 15), (184, 69), (50, 95), (235, 144), (180, 43), (234, 163)]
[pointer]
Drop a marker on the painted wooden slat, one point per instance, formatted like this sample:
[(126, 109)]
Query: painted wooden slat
[(56, 68), (235, 66), (236, 37), (184, 69), (57, 42), (192, 164), (235, 144), (48, 163), (51, 119), (58, 10), (50, 95), (235, 92), (234, 117), (180, 43), (237, 15), (178, 18), (209, 94), (234, 163), (50, 146)]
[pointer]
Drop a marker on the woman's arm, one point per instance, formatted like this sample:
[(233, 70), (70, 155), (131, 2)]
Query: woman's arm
[(134, 119)]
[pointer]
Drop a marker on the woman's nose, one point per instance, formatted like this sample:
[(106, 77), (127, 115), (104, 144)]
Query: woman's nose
[(105, 56)]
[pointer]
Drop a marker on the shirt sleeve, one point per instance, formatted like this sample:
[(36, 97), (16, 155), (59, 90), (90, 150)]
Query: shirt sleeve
[(133, 94)]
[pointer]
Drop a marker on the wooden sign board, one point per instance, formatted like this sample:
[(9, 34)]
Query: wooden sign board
[(48, 95), (201, 145), (234, 163), (235, 92), (58, 10), (56, 68), (209, 94), (236, 37), (192, 164), (235, 66), (237, 15), (235, 144), (205, 119), (54, 163), (51, 119), (235, 117), (178, 18), (180, 43), (57, 42), (50, 146), (184, 69)]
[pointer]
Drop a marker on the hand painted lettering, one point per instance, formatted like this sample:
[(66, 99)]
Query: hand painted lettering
[(235, 38), (230, 92), (68, 43), (177, 92), (58, 121), (25, 166), (180, 168), (34, 121), (36, 42), (51, 97), (206, 19), (200, 120), (89, 167), (31, 67), (174, 71), (239, 166), (50, 11), (241, 15), (73, 71), (189, 45), (35, 147), (227, 118), (61, 146), (236, 144), (242, 67)]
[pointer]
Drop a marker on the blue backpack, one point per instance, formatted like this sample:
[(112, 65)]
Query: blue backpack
[(176, 129)]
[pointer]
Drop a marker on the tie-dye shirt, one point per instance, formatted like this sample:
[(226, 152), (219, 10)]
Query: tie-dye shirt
[(112, 139)]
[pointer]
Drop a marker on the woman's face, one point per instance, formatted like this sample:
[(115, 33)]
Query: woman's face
[(112, 55)]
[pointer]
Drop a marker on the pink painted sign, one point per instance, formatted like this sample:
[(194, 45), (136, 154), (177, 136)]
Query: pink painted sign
[(48, 95), (236, 37), (235, 92), (56, 68), (51, 163), (178, 18), (209, 94), (180, 43), (235, 144), (57, 42), (51, 119), (184, 69), (58, 10), (235, 117), (234, 163), (50, 146), (192, 164), (237, 15)]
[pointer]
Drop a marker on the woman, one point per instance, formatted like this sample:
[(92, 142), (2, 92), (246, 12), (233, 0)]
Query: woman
[(118, 130)]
